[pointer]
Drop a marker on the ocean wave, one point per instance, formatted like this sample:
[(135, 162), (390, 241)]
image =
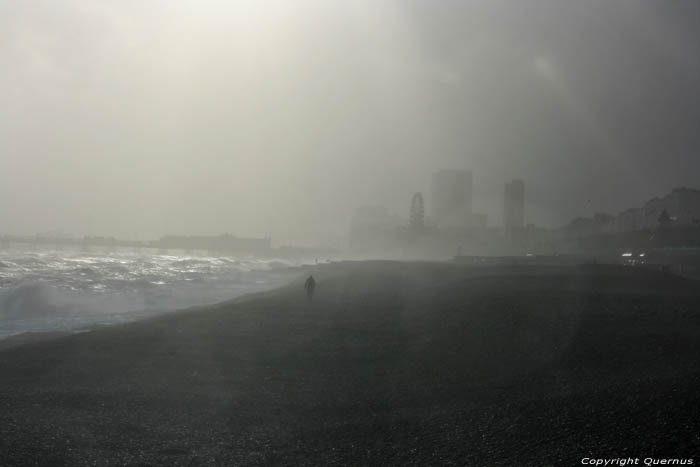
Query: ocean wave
[(29, 300), (68, 290)]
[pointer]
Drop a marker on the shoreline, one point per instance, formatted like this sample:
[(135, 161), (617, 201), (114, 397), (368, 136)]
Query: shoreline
[(30, 337), (27, 337)]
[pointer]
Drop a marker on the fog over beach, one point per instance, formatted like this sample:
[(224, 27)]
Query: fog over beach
[(139, 119), (349, 233)]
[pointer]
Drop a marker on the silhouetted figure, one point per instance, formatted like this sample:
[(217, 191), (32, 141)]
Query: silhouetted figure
[(310, 285)]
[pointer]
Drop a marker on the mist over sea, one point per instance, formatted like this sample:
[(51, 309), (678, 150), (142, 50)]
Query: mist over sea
[(71, 290)]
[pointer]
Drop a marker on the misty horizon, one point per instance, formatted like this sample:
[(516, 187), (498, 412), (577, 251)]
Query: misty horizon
[(349, 232), (143, 119)]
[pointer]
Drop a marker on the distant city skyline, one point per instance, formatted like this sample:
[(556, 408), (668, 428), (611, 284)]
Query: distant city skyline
[(142, 119), (629, 216)]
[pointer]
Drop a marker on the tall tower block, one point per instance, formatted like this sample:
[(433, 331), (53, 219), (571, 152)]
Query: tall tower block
[(451, 195), (514, 205)]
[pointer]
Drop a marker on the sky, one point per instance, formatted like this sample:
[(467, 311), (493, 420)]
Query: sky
[(279, 118)]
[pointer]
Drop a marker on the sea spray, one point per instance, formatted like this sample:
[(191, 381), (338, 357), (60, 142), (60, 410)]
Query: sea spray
[(58, 291)]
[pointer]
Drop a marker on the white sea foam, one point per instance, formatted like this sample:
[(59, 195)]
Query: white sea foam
[(64, 290)]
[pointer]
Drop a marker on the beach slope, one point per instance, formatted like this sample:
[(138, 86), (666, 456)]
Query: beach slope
[(391, 364)]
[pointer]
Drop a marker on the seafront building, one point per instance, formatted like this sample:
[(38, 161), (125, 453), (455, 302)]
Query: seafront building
[(682, 206)]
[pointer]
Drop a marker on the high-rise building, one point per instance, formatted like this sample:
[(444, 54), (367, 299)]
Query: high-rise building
[(452, 196), (514, 205), (417, 212)]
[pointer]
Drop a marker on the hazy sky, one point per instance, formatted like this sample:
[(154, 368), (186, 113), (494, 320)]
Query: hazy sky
[(139, 118)]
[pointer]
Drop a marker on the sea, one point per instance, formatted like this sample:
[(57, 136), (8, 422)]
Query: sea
[(64, 290)]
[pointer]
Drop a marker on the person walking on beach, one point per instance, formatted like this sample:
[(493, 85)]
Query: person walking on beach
[(310, 285)]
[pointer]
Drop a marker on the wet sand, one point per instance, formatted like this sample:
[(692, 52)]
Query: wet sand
[(30, 337), (391, 364)]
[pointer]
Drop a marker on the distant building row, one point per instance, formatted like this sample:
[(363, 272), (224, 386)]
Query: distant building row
[(682, 207), (682, 204)]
